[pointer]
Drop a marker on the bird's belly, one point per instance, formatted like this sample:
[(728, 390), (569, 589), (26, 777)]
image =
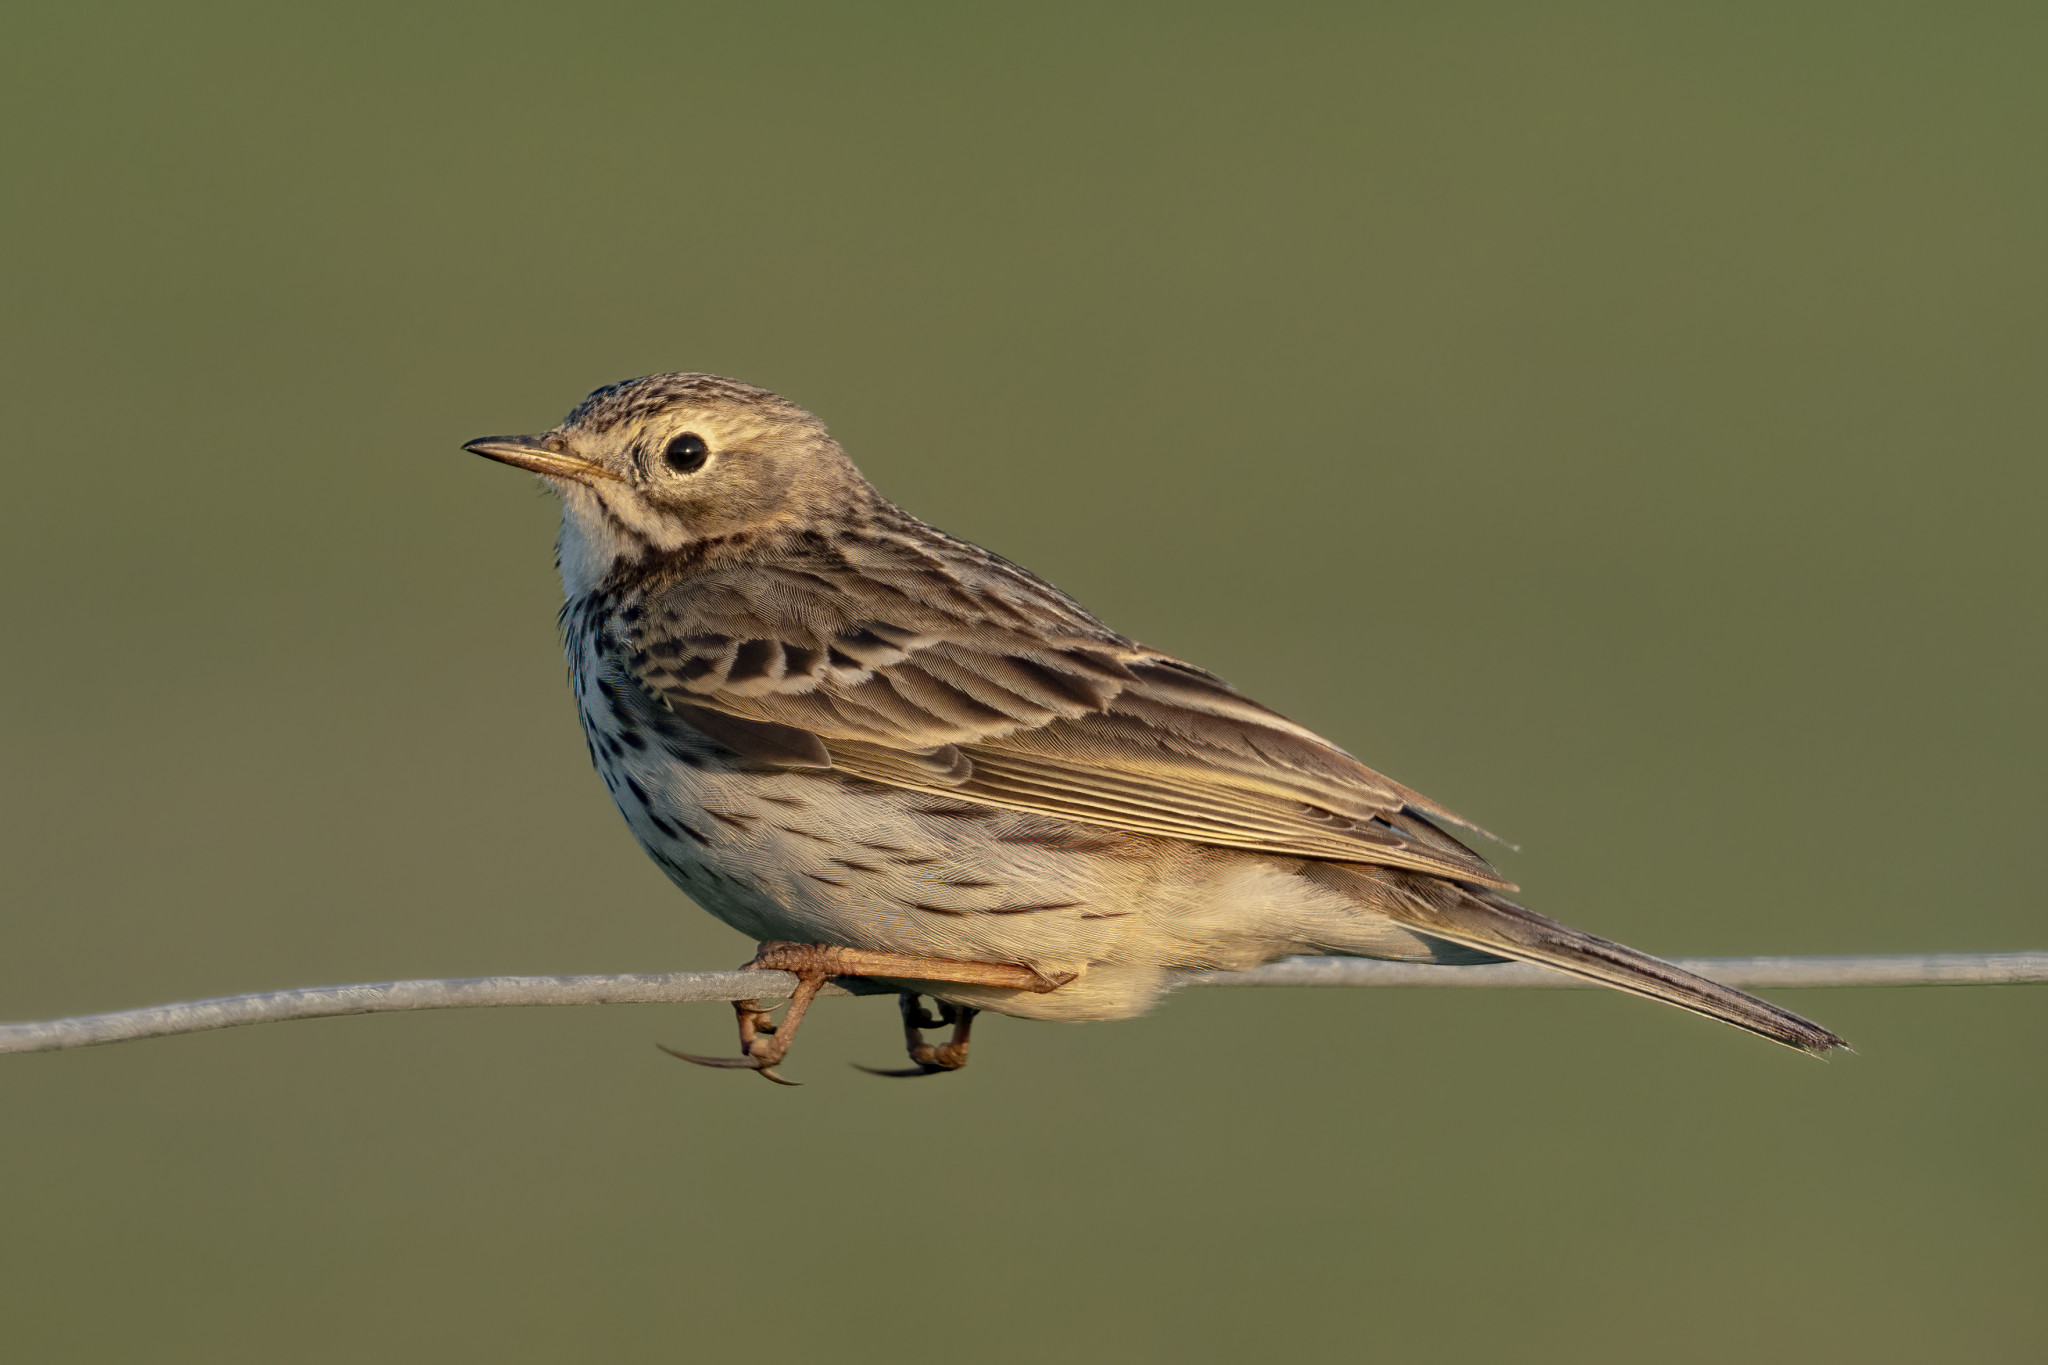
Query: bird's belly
[(811, 857)]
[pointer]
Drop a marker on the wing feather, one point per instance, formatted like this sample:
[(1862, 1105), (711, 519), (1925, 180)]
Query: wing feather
[(891, 666)]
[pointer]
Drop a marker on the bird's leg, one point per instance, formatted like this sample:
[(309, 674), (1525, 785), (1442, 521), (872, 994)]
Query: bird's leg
[(763, 1045), (950, 1056)]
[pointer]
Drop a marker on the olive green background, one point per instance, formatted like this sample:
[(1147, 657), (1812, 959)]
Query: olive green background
[(1622, 422)]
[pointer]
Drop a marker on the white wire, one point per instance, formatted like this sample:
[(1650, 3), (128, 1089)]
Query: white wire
[(321, 1002)]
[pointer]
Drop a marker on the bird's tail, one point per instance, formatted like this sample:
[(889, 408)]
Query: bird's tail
[(1493, 924)]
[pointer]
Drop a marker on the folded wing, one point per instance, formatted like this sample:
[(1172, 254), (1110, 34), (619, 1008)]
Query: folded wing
[(927, 666)]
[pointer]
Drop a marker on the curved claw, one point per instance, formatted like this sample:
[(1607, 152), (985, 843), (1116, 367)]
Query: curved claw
[(732, 1063), (767, 1070), (908, 1071)]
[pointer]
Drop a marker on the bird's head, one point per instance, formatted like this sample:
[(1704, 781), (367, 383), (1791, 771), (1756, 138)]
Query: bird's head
[(656, 465)]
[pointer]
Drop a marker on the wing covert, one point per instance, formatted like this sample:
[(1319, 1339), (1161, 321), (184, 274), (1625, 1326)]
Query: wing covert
[(1007, 693)]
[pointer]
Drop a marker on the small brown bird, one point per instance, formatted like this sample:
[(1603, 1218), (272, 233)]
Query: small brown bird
[(887, 753)]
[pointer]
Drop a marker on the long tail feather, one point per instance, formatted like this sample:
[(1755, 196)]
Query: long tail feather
[(1479, 919)]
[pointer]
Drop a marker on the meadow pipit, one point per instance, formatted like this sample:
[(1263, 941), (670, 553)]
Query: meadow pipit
[(887, 753)]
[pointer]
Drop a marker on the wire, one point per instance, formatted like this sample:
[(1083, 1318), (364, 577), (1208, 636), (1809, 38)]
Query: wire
[(664, 988)]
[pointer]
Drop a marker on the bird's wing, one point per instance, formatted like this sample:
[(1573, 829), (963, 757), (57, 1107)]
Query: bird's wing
[(991, 687)]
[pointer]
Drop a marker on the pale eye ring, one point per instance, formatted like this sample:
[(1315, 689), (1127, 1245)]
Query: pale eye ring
[(686, 453)]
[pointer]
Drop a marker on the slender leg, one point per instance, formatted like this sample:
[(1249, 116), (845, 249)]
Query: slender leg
[(764, 1045), (949, 1056)]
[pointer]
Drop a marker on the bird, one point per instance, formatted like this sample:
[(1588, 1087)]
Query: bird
[(885, 753)]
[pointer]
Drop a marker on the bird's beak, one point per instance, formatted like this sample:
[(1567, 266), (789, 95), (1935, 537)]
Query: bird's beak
[(541, 454)]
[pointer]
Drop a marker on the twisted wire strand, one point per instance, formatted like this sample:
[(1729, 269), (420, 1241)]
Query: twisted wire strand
[(666, 988)]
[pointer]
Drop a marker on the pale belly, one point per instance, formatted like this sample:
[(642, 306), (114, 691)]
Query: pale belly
[(811, 857)]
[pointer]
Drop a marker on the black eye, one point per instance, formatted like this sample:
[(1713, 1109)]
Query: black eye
[(686, 452)]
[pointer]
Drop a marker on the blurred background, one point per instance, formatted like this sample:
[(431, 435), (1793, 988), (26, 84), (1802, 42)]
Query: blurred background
[(1655, 393)]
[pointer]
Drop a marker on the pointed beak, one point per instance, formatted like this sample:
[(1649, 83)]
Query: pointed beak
[(541, 454)]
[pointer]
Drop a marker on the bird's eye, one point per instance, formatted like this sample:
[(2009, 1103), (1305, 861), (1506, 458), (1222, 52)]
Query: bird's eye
[(686, 452)]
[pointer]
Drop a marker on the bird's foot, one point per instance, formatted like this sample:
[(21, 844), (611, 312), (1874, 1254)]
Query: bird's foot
[(930, 1060), (763, 1045)]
